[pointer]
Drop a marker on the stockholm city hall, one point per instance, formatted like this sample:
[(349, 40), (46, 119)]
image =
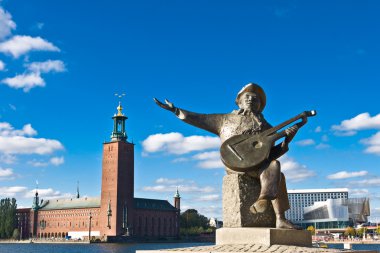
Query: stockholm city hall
[(115, 214)]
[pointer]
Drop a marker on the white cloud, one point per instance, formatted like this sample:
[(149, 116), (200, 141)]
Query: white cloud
[(345, 174), (318, 129), (210, 197), (180, 160), (25, 81), (367, 182), (37, 163), (48, 193), (2, 65), (307, 142), (6, 24), (163, 180), (22, 44), (207, 155), (212, 164), (176, 143), (209, 160), (209, 210), (24, 145), (14, 141), (56, 161), (362, 121), (322, 146), (7, 158), (358, 192), (7, 129), (189, 187), (373, 144), (46, 66), (12, 190), (6, 172), (294, 171)]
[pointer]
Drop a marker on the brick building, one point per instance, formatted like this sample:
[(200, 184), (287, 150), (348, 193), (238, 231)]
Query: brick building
[(115, 213)]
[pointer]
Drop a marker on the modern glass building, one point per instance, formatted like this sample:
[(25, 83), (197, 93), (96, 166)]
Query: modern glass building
[(299, 199), (336, 213), (326, 208)]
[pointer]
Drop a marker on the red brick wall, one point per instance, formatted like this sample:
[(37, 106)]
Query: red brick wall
[(60, 222), (117, 185), (153, 223)]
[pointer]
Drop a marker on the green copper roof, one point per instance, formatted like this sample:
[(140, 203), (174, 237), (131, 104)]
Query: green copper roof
[(154, 204), (86, 202), (72, 203)]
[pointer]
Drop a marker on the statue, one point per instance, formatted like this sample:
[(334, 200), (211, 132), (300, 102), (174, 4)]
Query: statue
[(245, 134)]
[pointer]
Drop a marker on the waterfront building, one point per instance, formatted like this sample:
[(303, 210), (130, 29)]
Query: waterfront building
[(326, 208), (336, 213), (299, 199), (115, 213)]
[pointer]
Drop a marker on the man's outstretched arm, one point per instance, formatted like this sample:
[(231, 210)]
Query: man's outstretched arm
[(208, 122)]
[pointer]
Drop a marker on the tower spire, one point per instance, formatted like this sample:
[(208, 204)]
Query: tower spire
[(78, 196), (118, 133), (36, 199), (177, 200)]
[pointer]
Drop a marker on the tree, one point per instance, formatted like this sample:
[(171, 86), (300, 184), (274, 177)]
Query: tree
[(378, 230), (361, 231), (193, 223), (16, 234), (349, 231), (191, 218), (311, 229), (8, 219)]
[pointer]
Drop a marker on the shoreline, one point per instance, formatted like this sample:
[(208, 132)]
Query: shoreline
[(87, 242), (353, 242)]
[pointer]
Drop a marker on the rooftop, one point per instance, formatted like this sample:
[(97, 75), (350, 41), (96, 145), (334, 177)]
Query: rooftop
[(319, 190), (71, 203), (155, 204)]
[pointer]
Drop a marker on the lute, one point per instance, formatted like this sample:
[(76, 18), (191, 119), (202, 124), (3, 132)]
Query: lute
[(245, 153)]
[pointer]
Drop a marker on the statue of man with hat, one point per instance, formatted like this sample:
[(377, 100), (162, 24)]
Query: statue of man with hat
[(249, 120)]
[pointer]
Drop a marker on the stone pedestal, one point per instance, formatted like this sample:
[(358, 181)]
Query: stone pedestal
[(239, 193), (263, 236)]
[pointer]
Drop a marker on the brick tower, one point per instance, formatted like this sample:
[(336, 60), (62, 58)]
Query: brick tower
[(116, 207)]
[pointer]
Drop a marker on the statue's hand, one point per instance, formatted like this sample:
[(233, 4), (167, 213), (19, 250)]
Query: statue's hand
[(290, 133), (167, 106)]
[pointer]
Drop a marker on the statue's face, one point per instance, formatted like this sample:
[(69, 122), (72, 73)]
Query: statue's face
[(250, 101)]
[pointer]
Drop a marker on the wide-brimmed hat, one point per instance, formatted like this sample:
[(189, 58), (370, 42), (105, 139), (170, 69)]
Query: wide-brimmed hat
[(255, 88)]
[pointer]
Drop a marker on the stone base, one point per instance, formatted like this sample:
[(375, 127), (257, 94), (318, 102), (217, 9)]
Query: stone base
[(263, 236), (239, 193), (252, 248)]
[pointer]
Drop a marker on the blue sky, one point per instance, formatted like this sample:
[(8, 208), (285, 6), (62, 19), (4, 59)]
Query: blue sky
[(62, 62)]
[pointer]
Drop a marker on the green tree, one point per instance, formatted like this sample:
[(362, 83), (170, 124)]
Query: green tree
[(16, 234), (8, 219), (349, 231), (311, 229), (360, 232), (378, 230), (193, 223), (191, 218)]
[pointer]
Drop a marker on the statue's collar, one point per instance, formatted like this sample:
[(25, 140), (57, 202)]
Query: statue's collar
[(245, 112)]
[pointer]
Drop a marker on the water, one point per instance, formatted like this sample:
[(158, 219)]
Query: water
[(356, 246), (89, 248), (124, 248)]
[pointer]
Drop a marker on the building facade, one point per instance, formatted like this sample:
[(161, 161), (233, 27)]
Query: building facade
[(326, 208), (115, 213), (299, 199), (337, 213)]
